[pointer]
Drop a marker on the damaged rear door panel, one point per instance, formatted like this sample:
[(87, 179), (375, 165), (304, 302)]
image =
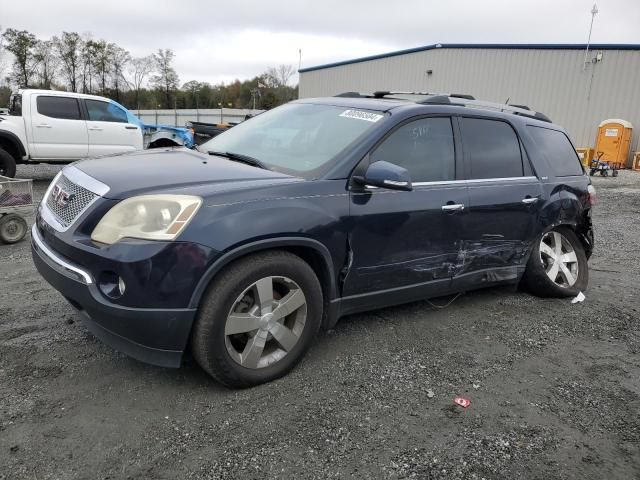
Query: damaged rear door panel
[(505, 198)]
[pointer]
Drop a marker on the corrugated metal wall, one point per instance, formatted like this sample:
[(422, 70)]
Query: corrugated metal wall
[(550, 81), (177, 118)]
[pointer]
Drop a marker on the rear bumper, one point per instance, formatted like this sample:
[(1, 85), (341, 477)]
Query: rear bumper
[(155, 336)]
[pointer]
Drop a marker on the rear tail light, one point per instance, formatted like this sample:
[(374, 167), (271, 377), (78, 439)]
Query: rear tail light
[(592, 195)]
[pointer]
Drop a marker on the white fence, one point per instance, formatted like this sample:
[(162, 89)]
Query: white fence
[(177, 118)]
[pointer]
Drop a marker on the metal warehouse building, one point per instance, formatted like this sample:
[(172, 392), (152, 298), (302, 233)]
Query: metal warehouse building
[(552, 79)]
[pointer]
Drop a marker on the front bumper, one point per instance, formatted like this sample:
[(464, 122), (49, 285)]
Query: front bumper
[(155, 336)]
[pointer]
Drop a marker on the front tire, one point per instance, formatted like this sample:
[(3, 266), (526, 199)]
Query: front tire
[(258, 318), (557, 265), (7, 164)]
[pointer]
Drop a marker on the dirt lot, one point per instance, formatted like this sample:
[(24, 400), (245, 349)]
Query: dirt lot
[(555, 387)]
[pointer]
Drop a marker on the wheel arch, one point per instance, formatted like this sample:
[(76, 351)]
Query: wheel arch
[(565, 209), (164, 142), (12, 145), (311, 251)]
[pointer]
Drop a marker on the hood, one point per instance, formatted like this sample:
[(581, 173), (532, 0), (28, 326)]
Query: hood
[(172, 169)]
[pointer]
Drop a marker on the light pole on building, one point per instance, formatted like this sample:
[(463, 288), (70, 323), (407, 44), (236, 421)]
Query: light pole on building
[(594, 12)]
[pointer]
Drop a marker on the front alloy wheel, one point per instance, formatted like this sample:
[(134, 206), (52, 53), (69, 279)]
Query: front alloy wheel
[(265, 322), (258, 318)]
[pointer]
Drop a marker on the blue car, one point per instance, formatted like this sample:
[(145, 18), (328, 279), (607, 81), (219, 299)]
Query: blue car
[(240, 251)]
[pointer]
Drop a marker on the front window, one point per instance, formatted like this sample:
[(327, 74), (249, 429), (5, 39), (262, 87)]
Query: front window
[(105, 112), (297, 138)]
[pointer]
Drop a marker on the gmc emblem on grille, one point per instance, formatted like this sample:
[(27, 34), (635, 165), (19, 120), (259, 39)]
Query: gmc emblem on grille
[(61, 197)]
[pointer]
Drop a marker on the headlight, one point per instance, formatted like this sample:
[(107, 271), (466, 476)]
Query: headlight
[(150, 217)]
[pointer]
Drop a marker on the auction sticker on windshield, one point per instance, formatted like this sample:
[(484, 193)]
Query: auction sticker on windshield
[(361, 115)]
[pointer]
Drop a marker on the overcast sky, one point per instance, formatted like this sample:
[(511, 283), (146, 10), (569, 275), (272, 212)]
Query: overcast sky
[(223, 40)]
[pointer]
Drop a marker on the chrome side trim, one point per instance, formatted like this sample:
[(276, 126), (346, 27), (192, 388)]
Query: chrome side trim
[(78, 177), (475, 180), (40, 245), (504, 179), (442, 182)]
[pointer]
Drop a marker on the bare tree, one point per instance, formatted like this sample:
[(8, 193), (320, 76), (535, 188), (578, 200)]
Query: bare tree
[(166, 79), (47, 62), (69, 50), (102, 56), (88, 54), (2, 55), (138, 70), (279, 76), (119, 60), (21, 44)]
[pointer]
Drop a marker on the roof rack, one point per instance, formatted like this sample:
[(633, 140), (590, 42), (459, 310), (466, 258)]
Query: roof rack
[(459, 99)]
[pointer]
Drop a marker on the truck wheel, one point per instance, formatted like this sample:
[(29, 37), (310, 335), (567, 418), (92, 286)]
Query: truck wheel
[(557, 266), (13, 228), (7, 164), (257, 319)]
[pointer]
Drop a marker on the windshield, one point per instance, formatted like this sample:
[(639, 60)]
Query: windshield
[(297, 138)]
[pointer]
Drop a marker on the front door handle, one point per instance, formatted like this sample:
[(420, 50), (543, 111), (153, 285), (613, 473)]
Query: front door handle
[(453, 207), (95, 129), (43, 125), (529, 200)]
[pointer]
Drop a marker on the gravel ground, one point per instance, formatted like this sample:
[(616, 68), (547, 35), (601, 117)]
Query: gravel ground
[(554, 387)]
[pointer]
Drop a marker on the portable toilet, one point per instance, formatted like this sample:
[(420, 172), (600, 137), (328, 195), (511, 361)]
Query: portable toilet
[(614, 141)]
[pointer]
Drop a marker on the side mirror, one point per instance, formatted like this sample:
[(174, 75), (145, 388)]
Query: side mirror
[(385, 175)]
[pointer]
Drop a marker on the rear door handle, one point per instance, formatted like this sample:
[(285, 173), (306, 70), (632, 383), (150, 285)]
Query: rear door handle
[(453, 207), (131, 127), (43, 125), (95, 129), (529, 200)]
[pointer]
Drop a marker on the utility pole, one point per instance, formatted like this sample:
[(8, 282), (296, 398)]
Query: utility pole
[(594, 11)]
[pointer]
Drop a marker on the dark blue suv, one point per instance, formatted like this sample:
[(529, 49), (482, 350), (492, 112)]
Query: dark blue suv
[(241, 251)]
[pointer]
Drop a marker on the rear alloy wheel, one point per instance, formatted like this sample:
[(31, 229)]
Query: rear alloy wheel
[(559, 259), (257, 319), (557, 266)]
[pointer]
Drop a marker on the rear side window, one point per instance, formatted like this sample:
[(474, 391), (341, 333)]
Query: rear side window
[(560, 154), (105, 112), (492, 147), (15, 105), (424, 147), (66, 108)]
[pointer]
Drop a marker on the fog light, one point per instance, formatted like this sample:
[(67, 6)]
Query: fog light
[(111, 285)]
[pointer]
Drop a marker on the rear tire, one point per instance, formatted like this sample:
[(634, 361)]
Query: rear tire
[(563, 258), (7, 164), (13, 228), (244, 335)]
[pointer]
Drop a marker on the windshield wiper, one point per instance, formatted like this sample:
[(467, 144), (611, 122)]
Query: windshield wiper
[(238, 157)]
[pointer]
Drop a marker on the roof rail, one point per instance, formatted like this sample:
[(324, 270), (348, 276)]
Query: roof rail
[(460, 99), (350, 95), (521, 110), (436, 100)]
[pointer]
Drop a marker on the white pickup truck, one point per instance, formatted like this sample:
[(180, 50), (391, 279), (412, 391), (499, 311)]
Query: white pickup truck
[(47, 126)]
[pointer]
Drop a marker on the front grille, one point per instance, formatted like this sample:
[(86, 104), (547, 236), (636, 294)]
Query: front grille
[(79, 199)]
